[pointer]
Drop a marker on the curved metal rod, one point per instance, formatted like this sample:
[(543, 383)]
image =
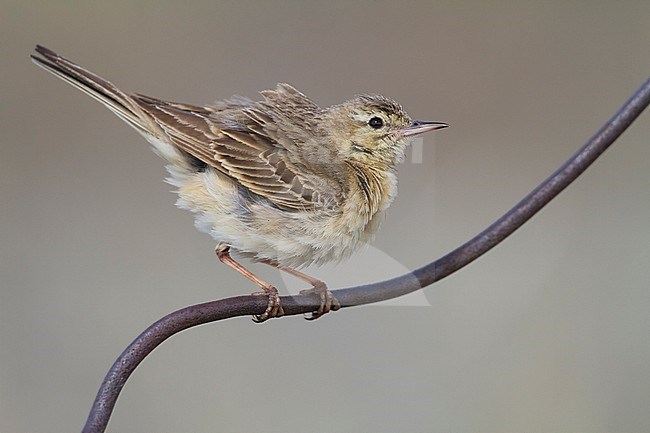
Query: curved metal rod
[(375, 292)]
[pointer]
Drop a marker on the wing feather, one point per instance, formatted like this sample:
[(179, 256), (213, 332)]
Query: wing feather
[(251, 153), (238, 137)]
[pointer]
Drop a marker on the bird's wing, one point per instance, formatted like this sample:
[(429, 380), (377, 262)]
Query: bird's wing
[(245, 146), (248, 147)]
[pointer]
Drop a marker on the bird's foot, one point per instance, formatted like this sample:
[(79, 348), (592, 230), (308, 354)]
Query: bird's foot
[(273, 308), (327, 301)]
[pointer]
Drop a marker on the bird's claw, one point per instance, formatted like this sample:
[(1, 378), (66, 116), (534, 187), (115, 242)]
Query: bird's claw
[(273, 308), (327, 301)]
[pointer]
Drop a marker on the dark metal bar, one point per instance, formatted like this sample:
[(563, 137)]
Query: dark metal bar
[(422, 277)]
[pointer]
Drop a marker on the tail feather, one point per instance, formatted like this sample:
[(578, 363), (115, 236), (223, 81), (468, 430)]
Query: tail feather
[(96, 87)]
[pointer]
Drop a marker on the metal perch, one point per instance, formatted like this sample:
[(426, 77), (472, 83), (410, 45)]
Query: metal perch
[(250, 305)]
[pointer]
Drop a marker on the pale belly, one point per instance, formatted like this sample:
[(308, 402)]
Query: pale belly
[(258, 230)]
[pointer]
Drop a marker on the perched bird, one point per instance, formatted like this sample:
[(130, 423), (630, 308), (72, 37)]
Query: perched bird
[(280, 181)]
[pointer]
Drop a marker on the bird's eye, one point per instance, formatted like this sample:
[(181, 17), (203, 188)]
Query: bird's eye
[(376, 122)]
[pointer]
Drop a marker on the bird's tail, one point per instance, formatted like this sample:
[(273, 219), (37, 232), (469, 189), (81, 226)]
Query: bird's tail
[(130, 108), (120, 103)]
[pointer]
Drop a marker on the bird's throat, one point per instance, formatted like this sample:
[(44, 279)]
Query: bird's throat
[(372, 189)]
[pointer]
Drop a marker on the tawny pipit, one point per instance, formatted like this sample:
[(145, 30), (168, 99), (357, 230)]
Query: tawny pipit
[(280, 181)]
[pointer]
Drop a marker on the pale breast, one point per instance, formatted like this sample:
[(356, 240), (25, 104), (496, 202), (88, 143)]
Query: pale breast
[(258, 230)]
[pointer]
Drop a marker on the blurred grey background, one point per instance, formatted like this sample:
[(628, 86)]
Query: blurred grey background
[(548, 332)]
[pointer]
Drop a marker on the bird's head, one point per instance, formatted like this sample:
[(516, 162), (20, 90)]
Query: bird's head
[(373, 129)]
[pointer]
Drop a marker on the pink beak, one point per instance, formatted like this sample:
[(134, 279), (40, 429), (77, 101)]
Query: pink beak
[(419, 127)]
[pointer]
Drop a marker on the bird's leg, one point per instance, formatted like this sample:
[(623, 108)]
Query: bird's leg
[(274, 308), (327, 300)]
